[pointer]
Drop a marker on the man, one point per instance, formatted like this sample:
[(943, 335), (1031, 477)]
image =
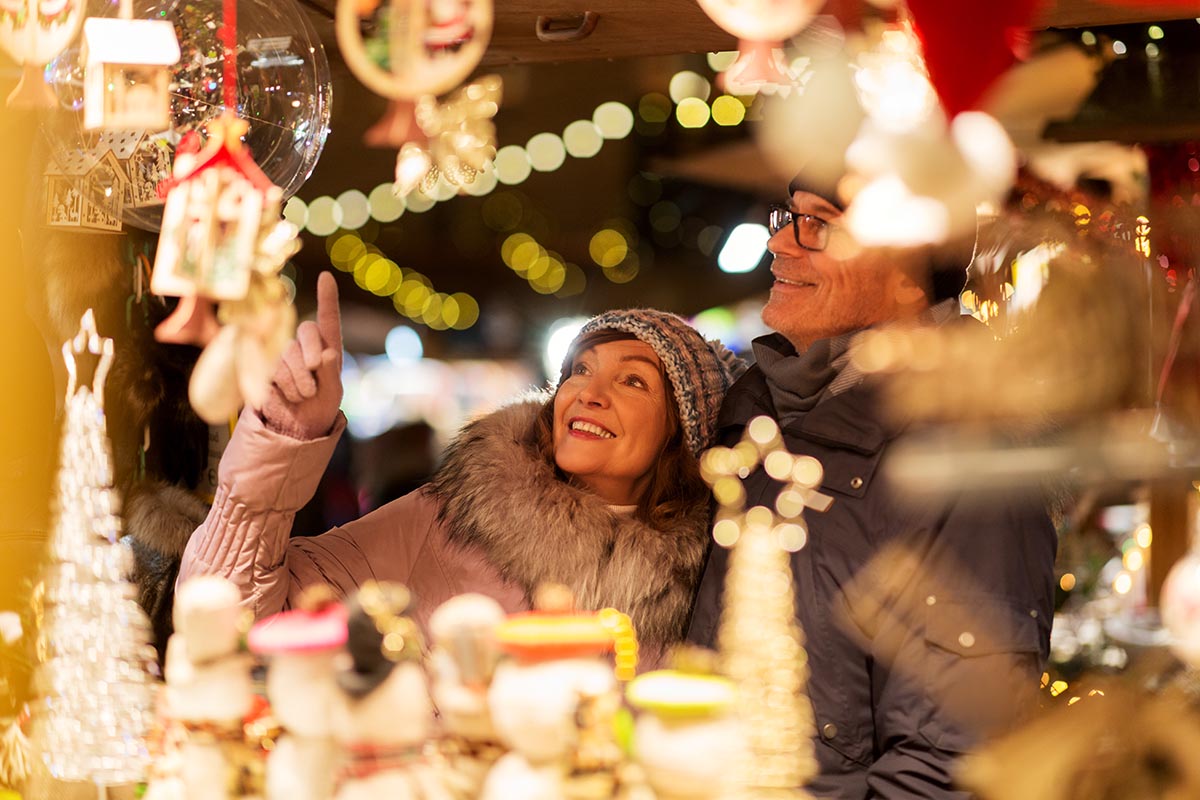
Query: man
[(926, 625)]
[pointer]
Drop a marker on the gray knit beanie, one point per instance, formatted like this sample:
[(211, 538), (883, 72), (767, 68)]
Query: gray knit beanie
[(700, 371)]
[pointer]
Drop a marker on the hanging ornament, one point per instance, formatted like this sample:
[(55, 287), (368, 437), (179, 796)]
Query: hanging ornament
[(761, 644), (96, 692), (421, 50), (968, 46), (126, 78), (282, 90), (223, 241), (761, 27), (33, 32)]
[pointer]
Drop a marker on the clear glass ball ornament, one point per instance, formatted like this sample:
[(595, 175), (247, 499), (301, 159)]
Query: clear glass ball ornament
[(284, 91)]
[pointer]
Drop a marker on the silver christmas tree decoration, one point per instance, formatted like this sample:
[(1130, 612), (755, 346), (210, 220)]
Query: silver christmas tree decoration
[(94, 687)]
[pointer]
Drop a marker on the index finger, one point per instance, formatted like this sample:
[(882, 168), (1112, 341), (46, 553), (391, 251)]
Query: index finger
[(329, 316)]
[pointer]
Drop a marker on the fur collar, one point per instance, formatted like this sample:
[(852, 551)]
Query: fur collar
[(498, 496)]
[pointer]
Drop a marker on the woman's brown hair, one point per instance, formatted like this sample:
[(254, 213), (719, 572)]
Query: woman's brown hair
[(676, 487)]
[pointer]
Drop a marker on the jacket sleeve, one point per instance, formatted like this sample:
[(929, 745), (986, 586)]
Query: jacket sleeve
[(959, 617), (264, 478)]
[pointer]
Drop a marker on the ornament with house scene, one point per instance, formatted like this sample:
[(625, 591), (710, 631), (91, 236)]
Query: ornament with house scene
[(86, 189), (223, 240), (33, 32), (127, 77)]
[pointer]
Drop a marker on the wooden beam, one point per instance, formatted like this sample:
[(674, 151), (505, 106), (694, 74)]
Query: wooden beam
[(1089, 13)]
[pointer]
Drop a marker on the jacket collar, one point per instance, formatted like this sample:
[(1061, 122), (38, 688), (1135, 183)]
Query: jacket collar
[(499, 496)]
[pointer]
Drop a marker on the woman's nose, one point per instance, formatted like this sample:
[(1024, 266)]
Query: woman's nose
[(594, 393)]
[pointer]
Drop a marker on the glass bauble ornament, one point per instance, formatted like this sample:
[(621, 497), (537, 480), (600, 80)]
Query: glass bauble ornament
[(284, 93)]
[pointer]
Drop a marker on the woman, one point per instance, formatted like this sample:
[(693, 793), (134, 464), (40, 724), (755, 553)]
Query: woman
[(596, 486)]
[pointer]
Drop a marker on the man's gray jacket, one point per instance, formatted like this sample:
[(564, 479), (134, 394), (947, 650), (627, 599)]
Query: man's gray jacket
[(927, 624)]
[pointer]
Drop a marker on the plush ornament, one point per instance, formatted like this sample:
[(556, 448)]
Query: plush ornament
[(968, 46), (761, 27), (1180, 607), (302, 645), (383, 716)]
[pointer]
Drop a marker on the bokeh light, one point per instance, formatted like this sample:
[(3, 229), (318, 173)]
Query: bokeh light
[(692, 112), (722, 60), (728, 110), (655, 107), (385, 205), (295, 211), (324, 216), (582, 138), (608, 248), (502, 211), (356, 210), (512, 165), (686, 84), (546, 152), (614, 120)]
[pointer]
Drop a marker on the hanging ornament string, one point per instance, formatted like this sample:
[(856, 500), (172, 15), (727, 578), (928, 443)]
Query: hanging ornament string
[(229, 39)]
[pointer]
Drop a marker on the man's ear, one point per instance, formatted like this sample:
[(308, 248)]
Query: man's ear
[(907, 291)]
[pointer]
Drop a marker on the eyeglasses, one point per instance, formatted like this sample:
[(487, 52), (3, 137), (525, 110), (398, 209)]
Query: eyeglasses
[(812, 233)]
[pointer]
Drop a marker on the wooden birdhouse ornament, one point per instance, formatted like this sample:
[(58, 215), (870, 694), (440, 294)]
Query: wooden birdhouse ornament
[(128, 73), (219, 204), (86, 189)]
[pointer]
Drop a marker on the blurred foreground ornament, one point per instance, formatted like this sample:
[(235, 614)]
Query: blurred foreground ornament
[(761, 644), (15, 755), (33, 32), (223, 240), (416, 51), (95, 693), (968, 47), (1180, 607), (1117, 742), (126, 76), (761, 27)]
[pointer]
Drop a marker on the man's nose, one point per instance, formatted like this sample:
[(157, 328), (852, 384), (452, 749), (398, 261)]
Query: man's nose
[(783, 241)]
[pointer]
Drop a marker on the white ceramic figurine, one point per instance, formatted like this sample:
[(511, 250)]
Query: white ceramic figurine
[(384, 716), (209, 689), (553, 705), (302, 645), (462, 662)]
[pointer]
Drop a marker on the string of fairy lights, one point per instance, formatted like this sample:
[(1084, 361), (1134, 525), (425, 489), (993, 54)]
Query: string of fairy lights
[(349, 221)]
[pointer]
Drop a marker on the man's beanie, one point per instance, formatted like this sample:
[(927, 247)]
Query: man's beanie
[(700, 371), (831, 81)]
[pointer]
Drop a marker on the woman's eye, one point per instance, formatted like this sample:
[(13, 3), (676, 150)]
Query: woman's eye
[(579, 369), (635, 380)]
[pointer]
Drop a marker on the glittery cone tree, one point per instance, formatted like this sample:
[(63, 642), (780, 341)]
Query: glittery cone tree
[(761, 644), (93, 685)]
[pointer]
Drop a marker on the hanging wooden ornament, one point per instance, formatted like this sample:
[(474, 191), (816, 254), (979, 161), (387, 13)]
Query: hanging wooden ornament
[(421, 50), (33, 32), (127, 77), (86, 189), (761, 26)]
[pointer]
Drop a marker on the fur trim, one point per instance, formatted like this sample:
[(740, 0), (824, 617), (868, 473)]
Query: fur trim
[(497, 495), (161, 517)]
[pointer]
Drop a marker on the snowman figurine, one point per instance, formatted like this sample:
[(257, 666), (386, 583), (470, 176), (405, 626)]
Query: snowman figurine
[(301, 646), (209, 688), (384, 715), (687, 737), (462, 662), (553, 704)]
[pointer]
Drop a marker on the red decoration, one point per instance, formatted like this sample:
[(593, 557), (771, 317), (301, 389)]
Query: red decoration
[(969, 45)]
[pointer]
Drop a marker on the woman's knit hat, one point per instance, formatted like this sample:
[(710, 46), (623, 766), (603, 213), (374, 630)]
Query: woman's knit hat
[(700, 371)]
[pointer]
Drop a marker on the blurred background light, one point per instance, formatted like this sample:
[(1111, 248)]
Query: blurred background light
[(744, 249), (403, 345), (558, 339)]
